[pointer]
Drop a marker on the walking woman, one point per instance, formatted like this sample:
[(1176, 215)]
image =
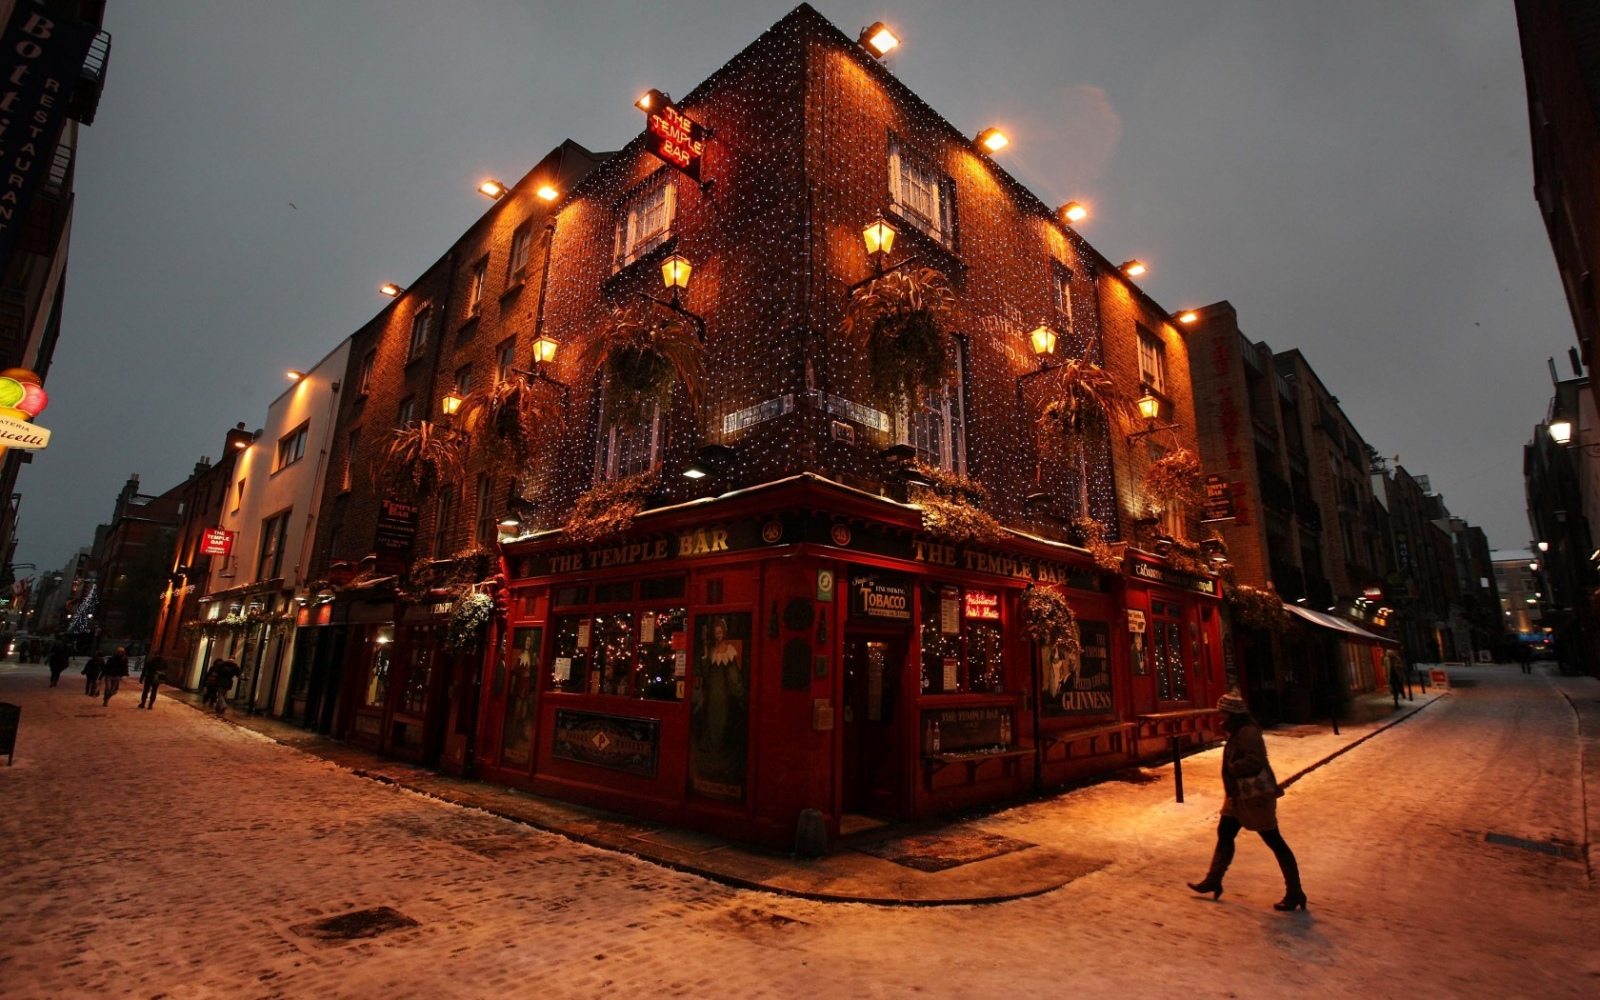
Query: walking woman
[(1251, 803)]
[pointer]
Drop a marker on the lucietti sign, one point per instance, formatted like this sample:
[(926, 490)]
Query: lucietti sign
[(16, 433)]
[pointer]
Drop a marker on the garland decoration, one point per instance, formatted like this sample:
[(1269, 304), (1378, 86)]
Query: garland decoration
[(1049, 620), (950, 505), (1257, 607), (468, 616), (1107, 555), (609, 506), (898, 318)]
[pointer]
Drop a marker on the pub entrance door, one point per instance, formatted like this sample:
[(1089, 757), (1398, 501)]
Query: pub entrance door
[(871, 762)]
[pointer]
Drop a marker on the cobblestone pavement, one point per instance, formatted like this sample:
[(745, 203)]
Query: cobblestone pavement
[(170, 854)]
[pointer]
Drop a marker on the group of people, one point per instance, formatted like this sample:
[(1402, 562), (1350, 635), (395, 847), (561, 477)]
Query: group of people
[(102, 675)]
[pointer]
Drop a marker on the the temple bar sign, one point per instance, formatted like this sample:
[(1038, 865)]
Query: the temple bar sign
[(673, 137), (216, 542)]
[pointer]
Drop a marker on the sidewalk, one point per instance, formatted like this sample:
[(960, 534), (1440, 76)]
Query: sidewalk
[(974, 859)]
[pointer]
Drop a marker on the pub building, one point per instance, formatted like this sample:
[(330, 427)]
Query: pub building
[(831, 405)]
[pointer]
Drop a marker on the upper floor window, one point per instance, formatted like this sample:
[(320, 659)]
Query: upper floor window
[(480, 271), (644, 220), (421, 324), (521, 247), (937, 426), (627, 451), (273, 532), (505, 356), (444, 508), (922, 194), (364, 380), (1061, 293), (464, 379), (485, 531), (291, 447), (407, 412), (1152, 361), (352, 448), (238, 498)]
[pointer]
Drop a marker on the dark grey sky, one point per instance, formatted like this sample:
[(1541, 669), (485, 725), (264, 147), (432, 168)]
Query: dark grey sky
[(1353, 176)]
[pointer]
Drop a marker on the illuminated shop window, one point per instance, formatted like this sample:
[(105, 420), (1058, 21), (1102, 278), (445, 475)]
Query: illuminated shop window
[(625, 653), (644, 220), (961, 640), (1166, 650), (921, 194)]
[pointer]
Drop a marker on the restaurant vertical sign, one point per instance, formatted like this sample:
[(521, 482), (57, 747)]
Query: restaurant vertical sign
[(43, 55), (397, 530)]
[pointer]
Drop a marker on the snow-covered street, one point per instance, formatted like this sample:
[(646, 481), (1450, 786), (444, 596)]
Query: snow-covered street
[(170, 854)]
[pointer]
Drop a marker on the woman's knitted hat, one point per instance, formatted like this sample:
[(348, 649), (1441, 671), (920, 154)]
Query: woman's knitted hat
[(1232, 703)]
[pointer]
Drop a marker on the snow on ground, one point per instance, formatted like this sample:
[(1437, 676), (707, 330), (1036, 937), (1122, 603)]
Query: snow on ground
[(170, 854)]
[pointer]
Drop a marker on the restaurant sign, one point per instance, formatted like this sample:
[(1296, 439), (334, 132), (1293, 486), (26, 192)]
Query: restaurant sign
[(884, 596), (217, 542), (671, 135), (1172, 578), (397, 525), (983, 605), (1219, 500), (617, 742)]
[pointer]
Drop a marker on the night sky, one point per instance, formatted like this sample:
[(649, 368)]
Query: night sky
[(1354, 177)]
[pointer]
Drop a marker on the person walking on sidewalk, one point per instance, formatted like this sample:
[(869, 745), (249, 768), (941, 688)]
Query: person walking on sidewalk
[(1397, 679), (222, 675), (151, 674), (1251, 803), (59, 661), (116, 669), (91, 674)]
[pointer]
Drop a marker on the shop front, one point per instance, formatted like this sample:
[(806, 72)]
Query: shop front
[(804, 646)]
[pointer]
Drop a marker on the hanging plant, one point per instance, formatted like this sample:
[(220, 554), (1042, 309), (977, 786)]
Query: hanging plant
[(1107, 555), (1049, 620), (419, 456), (1185, 557), (1081, 399), (507, 417), (950, 506), (898, 318), (1175, 478), (1258, 608), (230, 623), (643, 355), (609, 507), (468, 616)]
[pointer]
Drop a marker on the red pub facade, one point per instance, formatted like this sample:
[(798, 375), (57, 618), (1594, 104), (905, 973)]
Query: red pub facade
[(775, 585)]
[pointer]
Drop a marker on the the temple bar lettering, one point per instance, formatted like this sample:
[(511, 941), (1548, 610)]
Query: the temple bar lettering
[(676, 139)]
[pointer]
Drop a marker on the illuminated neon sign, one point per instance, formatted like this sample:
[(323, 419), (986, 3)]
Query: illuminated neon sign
[(673, 137)]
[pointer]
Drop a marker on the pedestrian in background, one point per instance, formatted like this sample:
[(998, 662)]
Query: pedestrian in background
[(1251, 803), (59, 661), (91, 674), (208, 683), (116, 669), (152, 674), (1397, 680), (1525, 657)]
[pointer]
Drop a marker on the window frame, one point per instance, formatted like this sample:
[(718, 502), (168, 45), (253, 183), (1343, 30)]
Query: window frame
[(369, 361), (485, 527), (292, 447), (272, 547), (505, 359), (521, 253), (444, 505), (1152, 361), (476, 279), (421, 330), (347, 476), (607, 465), (406, 412), (952, 415), (910, 166), (1061, 294), (630, 242)]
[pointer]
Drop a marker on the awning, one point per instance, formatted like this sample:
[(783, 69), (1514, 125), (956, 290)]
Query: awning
[(1338, 624)]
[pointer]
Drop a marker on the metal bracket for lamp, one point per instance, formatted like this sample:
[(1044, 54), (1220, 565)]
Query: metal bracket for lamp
[(537, 374), (675, 306), (1153, 428)]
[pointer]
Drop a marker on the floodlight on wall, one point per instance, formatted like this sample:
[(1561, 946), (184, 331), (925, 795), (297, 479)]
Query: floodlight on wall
[(1544, 546), (993, 140), (294, 375), (652, 99), (492, 189), (1188, 316), (1073, 211), (878, 39), (1134, 268), (547, 193), (390, 289)]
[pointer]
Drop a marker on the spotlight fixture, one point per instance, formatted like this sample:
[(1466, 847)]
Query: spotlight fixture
[(547, 193), (390, 289), (1133, 268), (878, 39), (293, 375), (652, 99), (492, 189), (1188, 316), (993, 140), (1073, 212)]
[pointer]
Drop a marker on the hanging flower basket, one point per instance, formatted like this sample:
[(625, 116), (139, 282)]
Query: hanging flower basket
[(1258, 608), (1082, 400), (1107, 555), (898, 318), (1049, 620), (1175, 478), (508, 417), (609, 507), (468, 616), (950, 506), (643, 355), (418, 457)]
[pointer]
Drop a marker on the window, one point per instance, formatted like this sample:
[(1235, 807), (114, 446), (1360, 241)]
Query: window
[(1166, 642), (352, 448), (627, 451), (364, 380), (937, 428), (377, 693), (521, 244), (480, 271), (505, 357), (408, 411), (1061, 294), (921, 194), (464, 379), (1152, 361), (444, 509), (269, 565), (238, 497), (421, 323), (485, 531), (645, 218), (960, 640), (636, 651), (291, 447)]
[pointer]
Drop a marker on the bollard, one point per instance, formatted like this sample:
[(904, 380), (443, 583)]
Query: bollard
[(1177, 766)]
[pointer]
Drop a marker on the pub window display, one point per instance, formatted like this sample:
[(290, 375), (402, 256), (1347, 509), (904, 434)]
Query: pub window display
[(630, 654), (1079, 683), (961, 641)]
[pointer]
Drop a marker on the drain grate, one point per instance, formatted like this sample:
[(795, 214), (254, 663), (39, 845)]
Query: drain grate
[(356, 925), (1550, 847)]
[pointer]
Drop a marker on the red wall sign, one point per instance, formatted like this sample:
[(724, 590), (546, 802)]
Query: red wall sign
[(217, 542), (676, 139), (984, 604)]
